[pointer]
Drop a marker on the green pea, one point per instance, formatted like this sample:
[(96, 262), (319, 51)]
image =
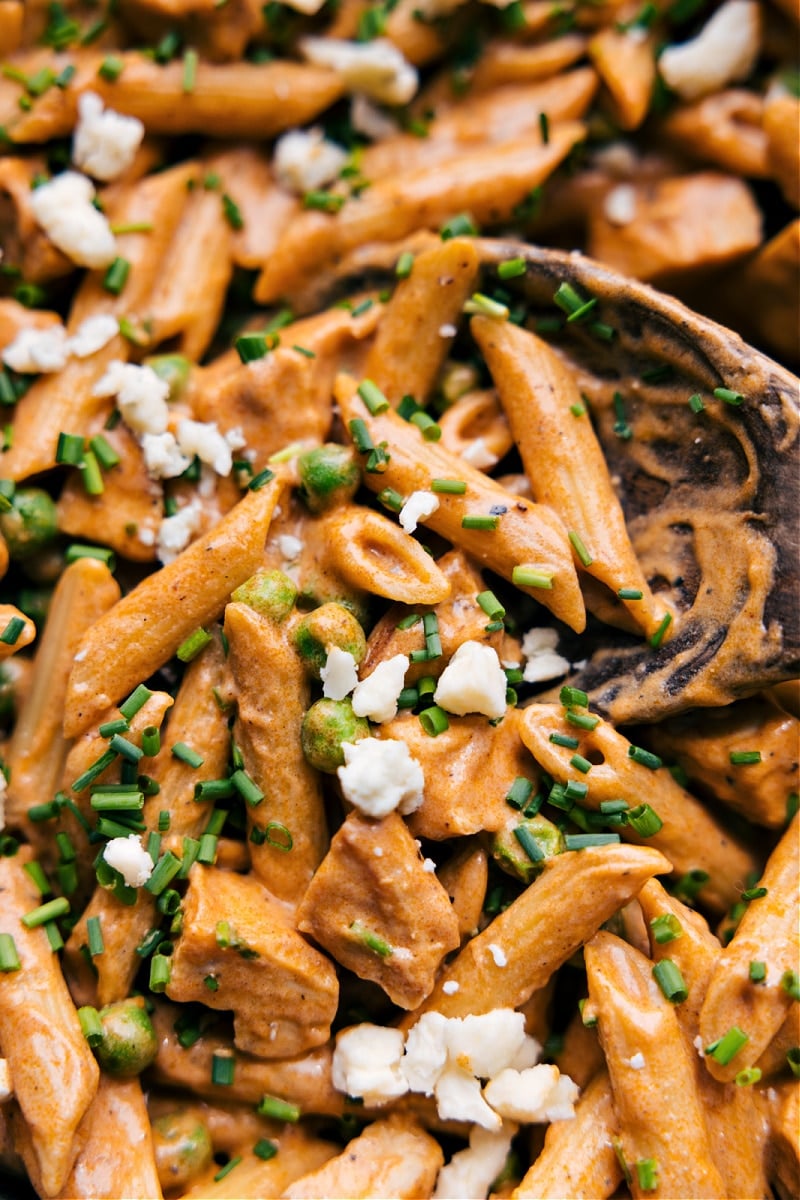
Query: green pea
[(329, 625), (183, 1148), (510, 854), (270, 593), (329, 475), (326, 725), (30, 523), (129, 1041)]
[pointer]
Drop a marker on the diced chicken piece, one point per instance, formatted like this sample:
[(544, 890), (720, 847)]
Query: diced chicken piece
[(378, 911), (392, 1158), (238, 951), (679, 226)]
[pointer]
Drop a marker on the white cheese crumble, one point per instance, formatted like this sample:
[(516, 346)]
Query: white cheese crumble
[(128, 856), (162, 456), (447, 331), (37, 351), (477, 454), (539, 1093), (450, 987), (381, 776), (141, 396), (619, 205), (290, 547), (471, 1172), (498, 954), (203, 438), (376, 696), (367, 118), (724, 51), (93, 334), (637, 1061), (473, 682), (339, 675), (376, 68), (175, 532), (304, 159), (429, 867), (366, 1063), (64, 210), (105, 142), (543, 662), (417, 507)]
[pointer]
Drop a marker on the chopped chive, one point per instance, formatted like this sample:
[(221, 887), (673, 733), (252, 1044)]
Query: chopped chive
[(105, 453), (278, 1110), (373, 397), (530, 577), (621, 427), (151, 741), (207, 851), (657, 637), (644, 758), (258, 481), (647, 1174), (306, 353), (757, 972), (728, 1046), (160, 971), (46, 912), (580, 764), (491, 605), (519, 793), (65, 77), (580, 549), (606, 333), (232, 212), (645, 820), (793, 1059), (277, 835), (69, 449), (9, 958), (111, 68), (790, 983), (265, 1149), (529, 843), (163, 873), (94, 934), (487, 307), (488, 523), (461, 225), (754, 893), (434, 720), (583, 841), (251, 346), (13, 629), (575, 790), (409, 621), (511, 268), (408, 698), (429, 429), (234, 1162), (360, 435), (565, 740), (53, 934), (121, 802), (573, 697), (666, 928), (109, 728), (371, 941), (131, 227), (729, 396), (568, 299), (405, 264), (743, 758), (407, 407), (247, 788), (747, 1076), (581, 720), (189, 70), (186, 754), (668, 977), (91, 1025), (91, 477), (125, 749), (97, 768), (101, 553), (116, 276), (137, 699), (391, 499), (321, 201), (696, 403), (630, 593), (66, 849), (169, 902), (449, 487), (223, 1068)]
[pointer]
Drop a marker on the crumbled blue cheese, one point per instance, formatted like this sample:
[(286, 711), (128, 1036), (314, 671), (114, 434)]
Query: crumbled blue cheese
[(543, 661), (290, 548), (417, 507), (376, 68), (366, 1063), (636, 1061), (381, 776), (471, 1172), (162, 455), (38, 351), (304, 160), (140, 393), (175, 532), (203, 438), (64, 210), (376, 696), (128, 856), (473, 682), (339, 675), (93, 334), (477, 454), (539, 1093), (619, 205), (105, 142), (723, 52), (498, 954)]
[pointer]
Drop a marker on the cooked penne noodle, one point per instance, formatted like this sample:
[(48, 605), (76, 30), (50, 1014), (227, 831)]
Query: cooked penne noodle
[(148, 625), (627, 66), (298, 1153)]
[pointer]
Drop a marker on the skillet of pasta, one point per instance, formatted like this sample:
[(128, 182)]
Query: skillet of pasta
[(399, 623)]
